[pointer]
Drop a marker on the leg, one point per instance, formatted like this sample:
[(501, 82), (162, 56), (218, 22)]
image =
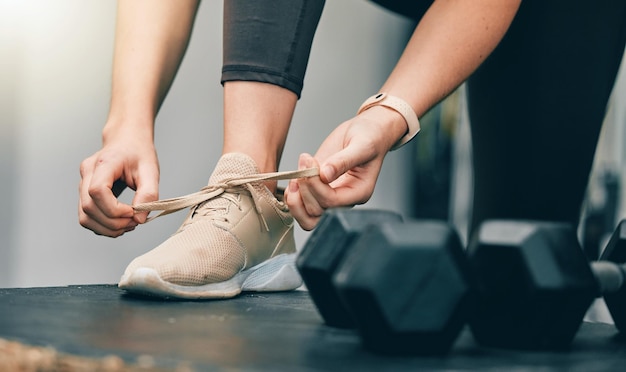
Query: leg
[(537, 105), (256, 121), (263, 76)]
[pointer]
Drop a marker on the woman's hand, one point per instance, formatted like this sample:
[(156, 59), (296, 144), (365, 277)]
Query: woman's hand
[(350, 159), (125, 158)]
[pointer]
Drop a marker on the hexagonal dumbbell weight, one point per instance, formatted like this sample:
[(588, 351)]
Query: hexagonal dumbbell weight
[(407, 286), (534, 284), (324, 251)]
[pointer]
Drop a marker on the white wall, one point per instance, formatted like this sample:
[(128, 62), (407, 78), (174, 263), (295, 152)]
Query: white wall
[(55, 63)]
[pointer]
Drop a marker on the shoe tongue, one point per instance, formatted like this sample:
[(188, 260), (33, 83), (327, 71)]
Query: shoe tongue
[(231, 166)]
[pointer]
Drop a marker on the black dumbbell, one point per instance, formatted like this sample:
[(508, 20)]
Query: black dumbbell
[(404, 284), (324, 251), (409, 287), (535, 285)]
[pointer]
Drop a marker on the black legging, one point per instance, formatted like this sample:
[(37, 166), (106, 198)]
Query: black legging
[(269, 40), (536, 108), (536, 104)]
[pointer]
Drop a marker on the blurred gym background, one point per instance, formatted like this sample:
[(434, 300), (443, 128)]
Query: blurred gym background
[(55, 69)]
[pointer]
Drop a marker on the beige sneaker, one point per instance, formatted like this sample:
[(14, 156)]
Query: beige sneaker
[(237, 237)]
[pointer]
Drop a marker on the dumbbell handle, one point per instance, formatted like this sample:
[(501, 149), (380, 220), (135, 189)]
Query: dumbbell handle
[(610, 276)]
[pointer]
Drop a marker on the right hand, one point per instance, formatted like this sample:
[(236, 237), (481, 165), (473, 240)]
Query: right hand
[(124, 158)]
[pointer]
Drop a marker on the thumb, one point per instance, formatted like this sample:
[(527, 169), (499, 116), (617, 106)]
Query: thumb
[(147, 191), (339, 163)]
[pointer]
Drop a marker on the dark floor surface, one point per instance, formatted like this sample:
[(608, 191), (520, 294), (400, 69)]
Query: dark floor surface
[(272, 331)]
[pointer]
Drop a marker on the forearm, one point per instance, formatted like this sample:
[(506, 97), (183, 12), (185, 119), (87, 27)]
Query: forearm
[(150, 41), (453, 38)]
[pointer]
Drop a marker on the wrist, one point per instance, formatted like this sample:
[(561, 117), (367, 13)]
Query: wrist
[(391, 124), (130, 111), (402, 108), (135, 129)]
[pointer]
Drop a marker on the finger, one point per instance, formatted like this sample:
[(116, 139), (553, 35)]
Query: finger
[(352, 174), (100, 191), (309, 200), (147, 184), (100, 229), (90, 217), (342, 161), (296, 207), (318, 196)]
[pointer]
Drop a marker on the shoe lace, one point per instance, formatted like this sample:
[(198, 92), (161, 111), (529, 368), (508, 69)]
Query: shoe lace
[(223, 189)]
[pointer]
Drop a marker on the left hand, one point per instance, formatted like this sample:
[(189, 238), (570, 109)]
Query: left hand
[(349, 159)]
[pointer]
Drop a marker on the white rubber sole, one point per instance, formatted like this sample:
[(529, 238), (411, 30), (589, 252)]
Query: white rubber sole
[(276, 274)]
